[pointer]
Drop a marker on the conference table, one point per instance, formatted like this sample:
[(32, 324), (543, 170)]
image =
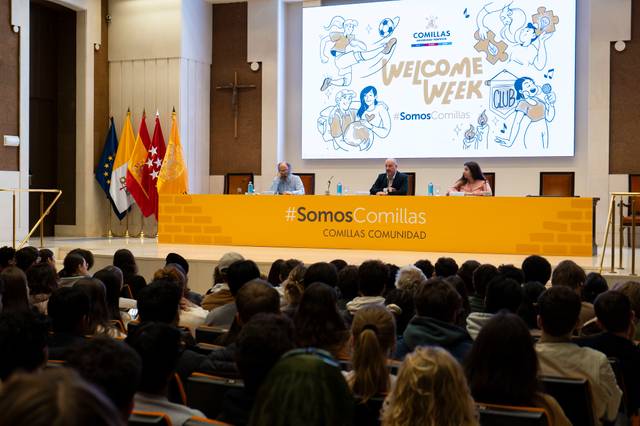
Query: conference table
[(555, 226)]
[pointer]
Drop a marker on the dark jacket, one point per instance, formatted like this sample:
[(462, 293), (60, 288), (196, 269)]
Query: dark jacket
[(400, 184), (426, 331), (220, 362)]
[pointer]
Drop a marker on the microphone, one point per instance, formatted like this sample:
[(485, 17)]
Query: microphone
[(546, 88), (328, 191)]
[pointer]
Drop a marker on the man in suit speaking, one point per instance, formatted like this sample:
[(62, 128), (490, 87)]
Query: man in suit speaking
[(392, 182)]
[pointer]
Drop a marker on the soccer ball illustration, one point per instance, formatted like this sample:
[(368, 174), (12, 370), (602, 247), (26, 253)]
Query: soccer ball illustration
[(386, 27)]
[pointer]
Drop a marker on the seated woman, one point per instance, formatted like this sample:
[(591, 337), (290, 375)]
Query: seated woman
[(472, 181), (502, 368)]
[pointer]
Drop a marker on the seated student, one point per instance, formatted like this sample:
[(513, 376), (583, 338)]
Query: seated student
[(159, 346), (111, 277), (400, 303), (559, 309), (502, 293), (528, 309), (409, 278), (430, 390), (321, 272), (339, 264), (569, 274), (273, 277), (98, 321), (26, 257), (445, 267), (536, 268), (631, 289), (111, 365), (219, 294), (426, 267), (615, 317), (458, 284), (69, 309), (75, 267), (594, 285), (347, 285), (15, 296), (318, 323), (481, 277), (437, 306), (125, 260), (46, 256), (293, 289), (58, 396), (372, 279), (190, 295), (373, 336), (513, 272), (23, 343), (42, 281), (502, 368), (238, 274), (260, 344), (256, 296), (305, 387), (466, 271), (472, 181), (7, 257), (191, 315)]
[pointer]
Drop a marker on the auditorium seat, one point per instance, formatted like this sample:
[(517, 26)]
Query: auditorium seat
[(502, 415), (144, 418), (206, 392), (119, 325), (237, 183), (491, 178), (309, 182), (557, 184), (368, 413), (574, 396), (176, 390), (411, 177), (208, 334), (201, 421)]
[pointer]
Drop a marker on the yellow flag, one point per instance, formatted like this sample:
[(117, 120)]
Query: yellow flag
[(173, 177), (118, 188)]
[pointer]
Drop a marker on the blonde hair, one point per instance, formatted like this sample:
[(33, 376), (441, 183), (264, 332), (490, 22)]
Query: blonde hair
[(431, 390), (294, 286), (374, 335), (409, 278)]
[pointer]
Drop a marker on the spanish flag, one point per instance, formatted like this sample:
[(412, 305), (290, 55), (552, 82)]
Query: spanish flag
[(137, 167), (118, 186), (173, 177)]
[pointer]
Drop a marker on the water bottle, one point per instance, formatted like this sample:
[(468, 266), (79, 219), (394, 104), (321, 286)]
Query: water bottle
[(430, 189), (339, 188), (250, 189)]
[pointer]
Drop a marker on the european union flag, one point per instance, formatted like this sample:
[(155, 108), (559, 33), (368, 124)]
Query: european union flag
[(105, 166)]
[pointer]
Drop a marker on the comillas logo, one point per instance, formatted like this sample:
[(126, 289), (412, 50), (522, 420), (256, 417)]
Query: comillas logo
[(405, 116), (422, 35), (358, 215)]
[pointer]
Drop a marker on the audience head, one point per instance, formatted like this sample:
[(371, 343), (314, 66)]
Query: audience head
[(178, 260), (321, 272), (226, 261), (304, 387), (160, 302), (124, 260), (632, 290), (503, 293), (339, 264), (159, 346), (274, 272), (594, 284), (502, 367), (536, 268), (430, 390), (111, 277), (558, 311), (98, 312), (111, 365), (438, 299), (481, 277), (287, 267), (7, 257), (426, 267), (466, 273), (25, 257), (372, 277), (69, 309), (513, 272), (42, 279), (241, 272), (15, 296), (402, 306), (373, 331), (528, 309), (173, 273), (459, 285), (259, 346), (55, 397), (23, 343), (445, 267), (257, 296), (613, 310), (569, 274), (294, 286), (74, 265), (409, 278), (46, 256), (348, 282), (391, 276), (86, 255)]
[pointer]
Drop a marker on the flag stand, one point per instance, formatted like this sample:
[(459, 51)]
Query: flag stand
[(141, 226), (109, 233), (126, 231)]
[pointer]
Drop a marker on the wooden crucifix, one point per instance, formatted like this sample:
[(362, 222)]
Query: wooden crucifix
[(235, 91)]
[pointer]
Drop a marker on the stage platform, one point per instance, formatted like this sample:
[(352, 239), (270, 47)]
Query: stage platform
[(203, 258)]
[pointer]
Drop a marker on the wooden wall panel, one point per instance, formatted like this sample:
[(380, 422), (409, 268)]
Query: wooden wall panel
[(624, 141), (101, 87), (9, 87), (228, 153)]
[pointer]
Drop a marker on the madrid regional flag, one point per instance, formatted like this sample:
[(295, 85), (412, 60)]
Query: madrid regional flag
[(118, 189)]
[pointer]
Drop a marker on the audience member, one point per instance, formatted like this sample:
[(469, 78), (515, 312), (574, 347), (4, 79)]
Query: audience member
[(293, 288), (481, 277), (98, 321), (321, 272), (502, 368), (318, 323), (391, 277), (111, 365), (160, 302), (46, 256), (191, 315), (26, 257), (159, 346), (372, 277), (238, 273), (528, 309), (426, 267), (445, 267), (219, 294), (86, 254), (339, 264), (458, 283), (502, 293), (23, 343), (466, 273), (347, 285), (274, 272), (400, 304), (536, 268), (111, 277), (409, 278), (190, 295), (260, 344), (7, 257), (632, 290), (304, 388), (569, 274), (431, 390), (594, 285), (42, 281), (287, 267), (55, 397), (615, 317), (75, 267), (437, 306), (69, 309), (15, 297), (513, 272), (133, 282), (559, 310)]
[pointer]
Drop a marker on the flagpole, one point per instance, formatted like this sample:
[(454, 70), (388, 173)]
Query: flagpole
[(141, 226), (126, 231), (109, 233)]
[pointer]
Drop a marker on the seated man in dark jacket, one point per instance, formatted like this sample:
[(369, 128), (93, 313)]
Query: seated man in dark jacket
[(437, 305), (614, 315), (392, 182), (68, 309)]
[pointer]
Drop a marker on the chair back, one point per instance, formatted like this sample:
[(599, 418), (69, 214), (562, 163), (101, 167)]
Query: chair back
[(491, 178), (368, 413), (146, 418), (176, 393), (209, 334), (201, 421), (634, 186), (237, 183), (503, 415), (616, 367), (557, 184), (308, 181), (574, 396), (206, 392), (411, 184)]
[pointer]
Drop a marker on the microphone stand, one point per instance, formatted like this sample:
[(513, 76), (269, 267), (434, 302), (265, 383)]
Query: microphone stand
[(328, 192)]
